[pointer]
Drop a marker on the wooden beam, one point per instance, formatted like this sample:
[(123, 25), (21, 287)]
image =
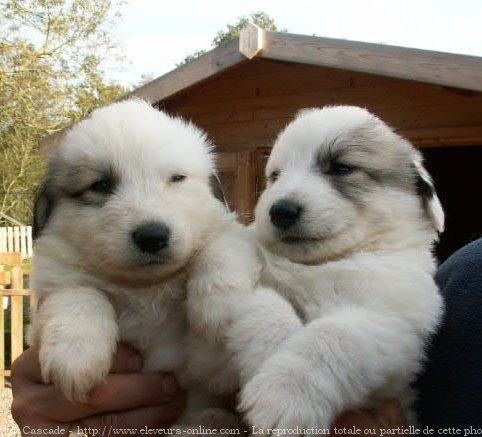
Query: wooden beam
[(447, 69), (16, 292), (2, 345), (451, 136), (16, 314), (204, 67), (251, 40), (11, 258), (4, 279)]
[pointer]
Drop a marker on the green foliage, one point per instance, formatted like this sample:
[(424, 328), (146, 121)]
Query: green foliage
[(51, 57), (261, 19), (191, 57), (231, 31), (144, 79)]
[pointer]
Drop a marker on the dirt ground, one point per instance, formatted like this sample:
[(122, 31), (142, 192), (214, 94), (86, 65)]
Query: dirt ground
[(8, 427)]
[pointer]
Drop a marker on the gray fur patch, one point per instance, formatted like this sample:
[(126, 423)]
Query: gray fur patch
[(375, 161)]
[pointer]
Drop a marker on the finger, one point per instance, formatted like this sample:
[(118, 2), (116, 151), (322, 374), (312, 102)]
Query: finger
[(126, 360), (24, 414), (390, 414), (133, 390), (120, 392), (360, 419), (150, 417), (26, 368)]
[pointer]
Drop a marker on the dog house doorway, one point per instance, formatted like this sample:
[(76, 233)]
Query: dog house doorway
[(457, 174)]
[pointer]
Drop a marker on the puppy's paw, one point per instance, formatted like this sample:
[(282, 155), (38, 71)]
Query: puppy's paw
[(283, 398), (75, 368)]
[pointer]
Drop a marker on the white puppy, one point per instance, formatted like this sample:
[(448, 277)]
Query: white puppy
[(346, 226), (129, 214)]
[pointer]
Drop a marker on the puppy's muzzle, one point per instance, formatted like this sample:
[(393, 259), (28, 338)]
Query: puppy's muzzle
[(285, 213), (151, 237)]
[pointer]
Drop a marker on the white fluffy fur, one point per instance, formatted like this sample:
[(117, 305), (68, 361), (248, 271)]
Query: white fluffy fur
[(95, 288), (357, 273), (354, 303)]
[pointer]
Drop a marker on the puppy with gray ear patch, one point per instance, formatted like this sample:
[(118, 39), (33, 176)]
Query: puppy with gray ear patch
[(126, 220), (346, 226)]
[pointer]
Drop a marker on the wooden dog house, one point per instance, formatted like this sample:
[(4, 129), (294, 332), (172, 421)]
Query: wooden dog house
[(245, 91)]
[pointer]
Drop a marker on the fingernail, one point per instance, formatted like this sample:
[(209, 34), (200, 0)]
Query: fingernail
[(134, 362), (169, 385)]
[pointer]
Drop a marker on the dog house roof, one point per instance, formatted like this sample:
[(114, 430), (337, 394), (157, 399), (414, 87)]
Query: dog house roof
[(446, 69)]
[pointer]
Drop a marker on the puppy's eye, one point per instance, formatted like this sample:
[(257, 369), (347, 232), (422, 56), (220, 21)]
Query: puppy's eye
[(339, 169), (177, 178), (102, 187), (273, 176)]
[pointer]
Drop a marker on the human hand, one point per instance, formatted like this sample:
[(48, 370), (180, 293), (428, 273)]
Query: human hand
[(389, 415), (128, 398)]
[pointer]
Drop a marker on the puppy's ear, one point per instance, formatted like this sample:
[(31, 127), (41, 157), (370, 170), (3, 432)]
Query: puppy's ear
[(426, 191), (216, 189), (43, 207)]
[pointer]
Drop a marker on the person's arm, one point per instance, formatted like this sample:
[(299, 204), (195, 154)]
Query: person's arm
[(389, 415), (128, 399), (450, 387)]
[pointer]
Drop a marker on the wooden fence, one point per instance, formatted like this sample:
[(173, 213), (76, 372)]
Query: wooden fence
[(12, 296), (16, 239)]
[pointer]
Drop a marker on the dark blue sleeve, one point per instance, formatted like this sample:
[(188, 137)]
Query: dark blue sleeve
[(450, 388)]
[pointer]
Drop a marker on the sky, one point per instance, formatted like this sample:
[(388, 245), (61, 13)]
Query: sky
[(157, 34)]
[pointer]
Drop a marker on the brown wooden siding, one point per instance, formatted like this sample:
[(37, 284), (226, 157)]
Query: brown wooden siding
[(249, 104), (244, 108)]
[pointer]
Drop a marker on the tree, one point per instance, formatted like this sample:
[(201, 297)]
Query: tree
[(51, 58), (231, 32)]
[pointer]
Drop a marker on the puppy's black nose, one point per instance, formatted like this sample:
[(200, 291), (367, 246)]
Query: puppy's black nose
[(151, 237), (285, 213)]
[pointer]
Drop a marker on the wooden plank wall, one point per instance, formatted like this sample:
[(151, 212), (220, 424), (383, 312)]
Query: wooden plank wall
[(248, 105), (244, 108)]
